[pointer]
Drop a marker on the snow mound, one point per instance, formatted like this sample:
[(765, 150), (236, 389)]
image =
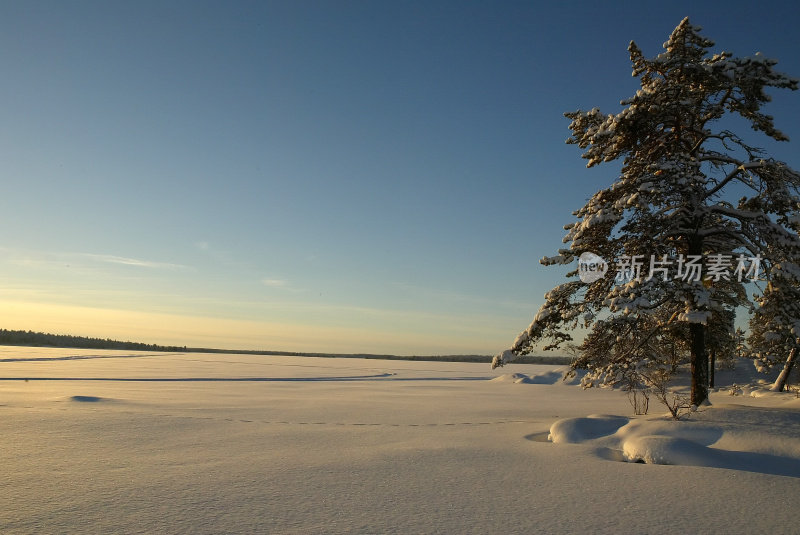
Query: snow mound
[(652, 442), (513, 378), (735, 437), (667, 450), (573, 377), (576, 430), (550, 377), (88, 399)]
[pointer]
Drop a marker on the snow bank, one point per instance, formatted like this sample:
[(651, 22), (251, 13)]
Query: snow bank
[(655, 449), (736, 437), (542, 375), (576, 430), (516, 378)]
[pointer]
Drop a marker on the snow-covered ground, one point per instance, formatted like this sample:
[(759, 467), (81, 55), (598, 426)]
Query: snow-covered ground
[(122, 442)]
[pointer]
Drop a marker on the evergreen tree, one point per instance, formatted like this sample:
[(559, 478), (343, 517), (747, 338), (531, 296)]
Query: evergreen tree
[(671, 221), (775, 327)]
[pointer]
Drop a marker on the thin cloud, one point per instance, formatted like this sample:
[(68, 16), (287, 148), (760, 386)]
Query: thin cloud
[(148, 264), (275, 283), (77, 261)]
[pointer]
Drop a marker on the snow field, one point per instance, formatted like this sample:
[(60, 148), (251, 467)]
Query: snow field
[(248, 444)]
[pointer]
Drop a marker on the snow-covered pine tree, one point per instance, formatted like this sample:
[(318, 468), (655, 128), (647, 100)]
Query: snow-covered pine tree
[(775, 327), (673, 205)]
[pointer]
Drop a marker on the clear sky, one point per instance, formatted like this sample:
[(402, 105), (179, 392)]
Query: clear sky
[(346, 176)]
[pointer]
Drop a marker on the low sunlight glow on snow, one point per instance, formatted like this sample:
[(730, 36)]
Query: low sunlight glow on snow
[(112, 441), (306, 238)]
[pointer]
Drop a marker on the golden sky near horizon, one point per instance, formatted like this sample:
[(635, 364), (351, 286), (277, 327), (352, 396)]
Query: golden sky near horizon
[(197, 331)]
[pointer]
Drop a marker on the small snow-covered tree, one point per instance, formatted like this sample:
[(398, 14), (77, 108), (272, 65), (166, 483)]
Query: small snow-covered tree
[(691, 194), (775, 327), (740, 338)]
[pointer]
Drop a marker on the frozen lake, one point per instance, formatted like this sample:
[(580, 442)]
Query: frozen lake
[(126, 442)]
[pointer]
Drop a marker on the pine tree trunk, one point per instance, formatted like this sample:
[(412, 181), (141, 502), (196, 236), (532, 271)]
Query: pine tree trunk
[(780, 382), (697, 333), (699, 361), (712, 366)]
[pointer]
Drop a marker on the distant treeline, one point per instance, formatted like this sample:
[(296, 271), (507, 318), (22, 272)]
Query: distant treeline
[(36, 339), (30, 338)]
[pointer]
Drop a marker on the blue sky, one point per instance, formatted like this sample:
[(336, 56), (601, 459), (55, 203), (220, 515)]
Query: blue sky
[(315, 176)]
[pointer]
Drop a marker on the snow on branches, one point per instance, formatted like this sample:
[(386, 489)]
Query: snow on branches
[(674, 198)]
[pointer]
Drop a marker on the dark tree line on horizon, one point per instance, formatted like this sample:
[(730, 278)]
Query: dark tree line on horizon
[(31, 338), (39, 339)]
